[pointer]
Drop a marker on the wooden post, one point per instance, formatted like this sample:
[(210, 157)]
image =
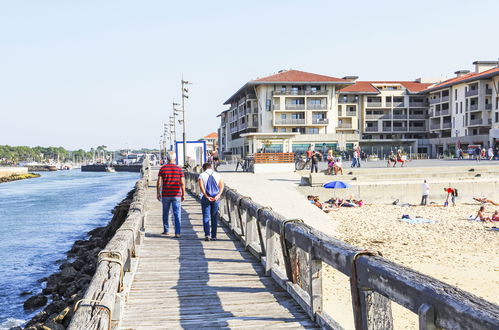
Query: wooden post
[(374, 311), (250, 229), (426, 317), (316, 302), (270, 253)]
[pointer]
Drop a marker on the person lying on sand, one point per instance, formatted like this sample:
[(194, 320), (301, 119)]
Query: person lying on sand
[(481, 215), (485, 201)]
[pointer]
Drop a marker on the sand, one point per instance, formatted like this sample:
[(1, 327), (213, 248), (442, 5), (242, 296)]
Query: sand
[(454, 250)]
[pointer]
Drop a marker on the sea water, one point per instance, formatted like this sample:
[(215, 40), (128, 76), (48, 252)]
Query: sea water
[(40, 218)]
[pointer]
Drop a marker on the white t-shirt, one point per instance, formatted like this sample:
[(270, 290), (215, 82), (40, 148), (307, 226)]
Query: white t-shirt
[(206, 174), (426, 188)]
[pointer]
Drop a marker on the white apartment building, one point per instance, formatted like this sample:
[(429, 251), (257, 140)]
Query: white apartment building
[(392, 114), (465, 109), (286, 112)]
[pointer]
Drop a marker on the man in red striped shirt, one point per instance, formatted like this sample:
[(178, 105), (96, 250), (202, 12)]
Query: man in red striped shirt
[(171, 191)]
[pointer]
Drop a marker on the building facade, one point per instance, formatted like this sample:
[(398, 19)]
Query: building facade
[(292, 110)]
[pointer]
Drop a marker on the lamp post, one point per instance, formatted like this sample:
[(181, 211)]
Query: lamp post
[(172, 131), (185, 90)]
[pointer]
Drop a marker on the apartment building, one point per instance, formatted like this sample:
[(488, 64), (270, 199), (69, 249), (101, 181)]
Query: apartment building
[(464, 110), (287, 112), (391, 114)]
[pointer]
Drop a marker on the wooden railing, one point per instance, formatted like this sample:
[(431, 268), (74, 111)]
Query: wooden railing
[(293, 254), (274, 157), (103, 302)]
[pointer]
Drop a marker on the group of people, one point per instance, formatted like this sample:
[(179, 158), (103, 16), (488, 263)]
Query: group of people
[(334, 203), (482, 217), (394, 158), (452, 194), (170, 190), (334, 164)]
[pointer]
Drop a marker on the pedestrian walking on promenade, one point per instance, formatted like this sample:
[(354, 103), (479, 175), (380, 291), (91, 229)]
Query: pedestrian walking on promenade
[(490, 153), (426, 192), (316, 156), (212, 186), (170, 189)]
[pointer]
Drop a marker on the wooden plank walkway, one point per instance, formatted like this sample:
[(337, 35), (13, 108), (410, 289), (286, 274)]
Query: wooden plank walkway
[(190, 283)]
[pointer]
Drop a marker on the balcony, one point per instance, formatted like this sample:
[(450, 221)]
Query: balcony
[(276, 107), (316, 106), (435, 126), (349, 100), (373, 104), (444, 99), (418, 116), (400, 128), (473, 107), (471, 92), (376, 117), (350, 113), (488, 107), (435, 100), (474, 122), (251, 96), (447, 124), (417, 129), (395, 104), (344, 125), (445, 112), (289, 122), (488, 91), (399, 116), (295, 106), (300, 92), (234, 129), (243, 126), (387, 128), (371, 129), (418, 104), (436, 113), (320, 121)]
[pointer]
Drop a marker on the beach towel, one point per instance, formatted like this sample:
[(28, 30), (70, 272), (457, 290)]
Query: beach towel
[(416, 221), (493, 229)]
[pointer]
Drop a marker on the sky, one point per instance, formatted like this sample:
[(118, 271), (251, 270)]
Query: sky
[(80, 74)]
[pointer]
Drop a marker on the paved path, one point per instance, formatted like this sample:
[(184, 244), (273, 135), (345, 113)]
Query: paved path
[(190, 283)]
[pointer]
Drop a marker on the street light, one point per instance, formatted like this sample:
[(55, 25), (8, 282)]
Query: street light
[(172, 131), (185, 90)]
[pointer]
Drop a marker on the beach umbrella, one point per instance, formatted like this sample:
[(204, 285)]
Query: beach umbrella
[(337, 185)]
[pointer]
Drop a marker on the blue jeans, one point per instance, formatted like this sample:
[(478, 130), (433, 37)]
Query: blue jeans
[(174, 202), (210, 213)]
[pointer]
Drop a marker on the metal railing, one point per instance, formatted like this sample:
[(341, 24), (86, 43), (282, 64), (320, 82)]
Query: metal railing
[(471, 92), (373, 104), (371, 129), (351, 113), (417, 128), (488, 106), (473, 107), (295, 106), (276, 107), (395, 104), (488, 91), (435, 126), (289, 121), (349, 100), (400, 116), (384, 116), (445, 112), (400, 128), (444, 99), (417, 116), (300, 92), (293, 254), (344, 125), (316, 106), (447, 125), (435, 100), (323, 121), (387, 128), (476, 121), (418, 104)]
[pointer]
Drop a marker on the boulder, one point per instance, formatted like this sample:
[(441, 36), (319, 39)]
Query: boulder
[(35, 301)]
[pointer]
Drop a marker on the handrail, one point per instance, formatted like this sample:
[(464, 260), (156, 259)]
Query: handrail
[(376, 283), (103, 302)]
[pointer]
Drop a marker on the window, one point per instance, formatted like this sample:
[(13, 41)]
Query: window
[(283, 116), (283, 130), (315, 88), (461, 106), (314, 101), (453, 122), (275, 129), (298, 101), (268, 105), (283, 88), (455, 93), (497, 117), (300, 130), (299, 115), (457, 108), (313, 130)]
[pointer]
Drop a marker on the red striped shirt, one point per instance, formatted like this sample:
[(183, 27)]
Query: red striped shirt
[(171, 176)]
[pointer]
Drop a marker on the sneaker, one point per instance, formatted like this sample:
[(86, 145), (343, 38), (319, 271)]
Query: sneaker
[(213, 238), (206, 238), (177, 235), (164, 233)]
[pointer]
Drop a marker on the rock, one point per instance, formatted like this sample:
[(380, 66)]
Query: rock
[(68, 272), (26, 293), (55, 307), (35, 301), (16, 328)]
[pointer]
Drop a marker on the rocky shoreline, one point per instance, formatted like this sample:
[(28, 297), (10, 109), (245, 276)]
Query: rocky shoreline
[(15, 177), (64, 288)]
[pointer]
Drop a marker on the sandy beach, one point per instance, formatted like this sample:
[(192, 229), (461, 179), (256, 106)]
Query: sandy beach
[(454, 250)]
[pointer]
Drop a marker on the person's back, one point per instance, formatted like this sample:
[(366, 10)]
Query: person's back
[(171, 180), (211, 185)]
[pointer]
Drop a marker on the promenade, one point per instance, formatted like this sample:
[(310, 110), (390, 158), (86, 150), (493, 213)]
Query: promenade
[(190, 283)]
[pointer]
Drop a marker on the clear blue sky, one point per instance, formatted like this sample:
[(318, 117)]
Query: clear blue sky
[(85, 73)]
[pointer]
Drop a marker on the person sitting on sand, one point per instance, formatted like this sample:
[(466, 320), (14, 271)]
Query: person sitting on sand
[(330, 162), (481, 214), (338, 167), (400, 158), (391, 159), (310, 198), (485, 201), (495, 216)]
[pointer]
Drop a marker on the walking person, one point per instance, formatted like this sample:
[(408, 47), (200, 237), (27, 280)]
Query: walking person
[(490, 153), (316, 156), (426, 192), (170, 189), (212, 186)]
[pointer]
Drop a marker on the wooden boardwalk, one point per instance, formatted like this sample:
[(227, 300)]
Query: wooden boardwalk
[(190, 283)]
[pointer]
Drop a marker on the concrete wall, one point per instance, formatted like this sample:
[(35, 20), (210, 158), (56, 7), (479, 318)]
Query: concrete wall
[(8, 171), (274, 168)]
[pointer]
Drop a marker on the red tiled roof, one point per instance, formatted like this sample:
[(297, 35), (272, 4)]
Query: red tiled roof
[(299, 76), (211, 136), (367, 86), (469, 76)]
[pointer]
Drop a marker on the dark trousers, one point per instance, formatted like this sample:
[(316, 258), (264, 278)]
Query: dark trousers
[(210, 213), (424, 200), (314, 166)]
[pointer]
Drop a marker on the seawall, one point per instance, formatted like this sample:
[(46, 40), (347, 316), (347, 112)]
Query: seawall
[(12, 170)]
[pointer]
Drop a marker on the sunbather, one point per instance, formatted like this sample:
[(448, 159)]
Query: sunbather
[(495, 216), (485, 201), (481, 215)]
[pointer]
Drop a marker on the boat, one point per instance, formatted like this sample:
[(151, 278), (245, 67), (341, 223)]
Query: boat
[(110, 169)]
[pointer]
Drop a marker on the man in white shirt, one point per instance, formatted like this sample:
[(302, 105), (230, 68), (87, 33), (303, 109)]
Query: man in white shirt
[(212, 186), (426, 192)]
